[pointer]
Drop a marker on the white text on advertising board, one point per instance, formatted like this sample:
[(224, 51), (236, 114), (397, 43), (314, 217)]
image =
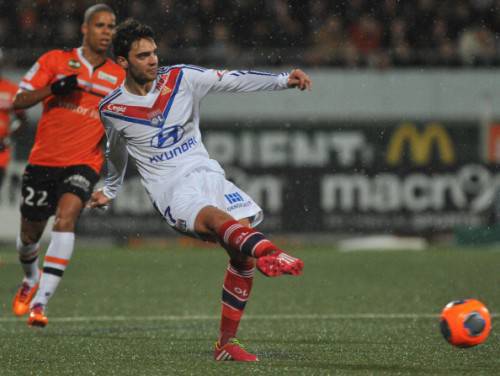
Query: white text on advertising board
[(471, 188), (298, 148)]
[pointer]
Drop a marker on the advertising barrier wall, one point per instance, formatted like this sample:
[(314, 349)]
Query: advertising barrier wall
[(391, 177)]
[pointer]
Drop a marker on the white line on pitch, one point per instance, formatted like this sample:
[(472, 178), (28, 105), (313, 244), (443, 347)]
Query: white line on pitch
[(340, 316)]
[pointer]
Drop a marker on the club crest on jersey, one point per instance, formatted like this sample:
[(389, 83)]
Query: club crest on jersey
[(166, 90), (74, 64), (167, 137)]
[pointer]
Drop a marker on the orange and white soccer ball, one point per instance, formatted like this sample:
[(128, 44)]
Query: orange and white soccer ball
[(465, 323)]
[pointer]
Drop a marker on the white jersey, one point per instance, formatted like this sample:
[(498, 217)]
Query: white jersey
[(161, 130)]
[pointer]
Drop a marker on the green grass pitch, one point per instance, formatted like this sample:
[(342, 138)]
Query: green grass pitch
[(155, 312)]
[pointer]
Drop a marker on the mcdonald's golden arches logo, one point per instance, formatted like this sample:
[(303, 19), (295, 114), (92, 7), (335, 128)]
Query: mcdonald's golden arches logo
[(420, 144)]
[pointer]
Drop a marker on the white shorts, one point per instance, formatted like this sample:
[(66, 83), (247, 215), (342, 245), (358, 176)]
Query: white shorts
[(181, 203)]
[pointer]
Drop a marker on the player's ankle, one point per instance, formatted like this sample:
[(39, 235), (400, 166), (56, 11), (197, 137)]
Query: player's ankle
[(265, 251), (224, 338)]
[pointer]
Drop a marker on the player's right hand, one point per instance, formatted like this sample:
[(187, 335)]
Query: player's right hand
[(65, 85), (298, 79), (98, 200)]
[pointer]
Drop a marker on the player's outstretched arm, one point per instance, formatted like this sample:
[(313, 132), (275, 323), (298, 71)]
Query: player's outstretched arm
[(205, 81), (300, 80)]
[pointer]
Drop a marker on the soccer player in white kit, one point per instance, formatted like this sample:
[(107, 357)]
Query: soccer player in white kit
[(154, 117)]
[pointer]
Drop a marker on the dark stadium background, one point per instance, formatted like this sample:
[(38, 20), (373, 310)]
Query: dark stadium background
[(379, 34)]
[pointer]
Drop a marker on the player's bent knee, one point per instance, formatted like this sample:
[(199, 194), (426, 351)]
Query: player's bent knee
[(30, 238), (64, 224), (209, 220), (31, 231)]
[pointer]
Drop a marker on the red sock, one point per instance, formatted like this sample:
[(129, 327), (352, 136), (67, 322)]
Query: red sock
[(245, 239), (235, 293)]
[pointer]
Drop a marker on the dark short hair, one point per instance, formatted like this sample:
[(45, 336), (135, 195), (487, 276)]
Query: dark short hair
[(89, 13), (127, 33)]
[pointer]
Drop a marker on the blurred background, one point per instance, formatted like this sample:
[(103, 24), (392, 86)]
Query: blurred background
[(398, 137), (348, 34)]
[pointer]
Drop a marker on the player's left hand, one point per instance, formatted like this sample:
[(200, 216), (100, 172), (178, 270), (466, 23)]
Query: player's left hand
[(299, 79)]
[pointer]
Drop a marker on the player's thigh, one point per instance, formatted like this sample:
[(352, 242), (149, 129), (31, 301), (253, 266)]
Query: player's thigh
[(194, 194), (39, 193), (201, 201), (75, 186), (209, 219), (68, 210), (77, 180)]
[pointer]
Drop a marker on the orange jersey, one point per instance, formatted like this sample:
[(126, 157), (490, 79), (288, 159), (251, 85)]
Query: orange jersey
[(69, 131), (7, 93)]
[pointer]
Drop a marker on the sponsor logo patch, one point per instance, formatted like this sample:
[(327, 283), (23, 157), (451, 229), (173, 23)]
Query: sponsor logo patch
[(167, 136), (107, 77), (74, 64), (233, 198), (78, 181), (117, 108)]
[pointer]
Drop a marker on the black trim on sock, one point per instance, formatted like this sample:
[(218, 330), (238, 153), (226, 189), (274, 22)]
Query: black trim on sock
[(232, 301), (248, 245), (29, 261), (53, 271)]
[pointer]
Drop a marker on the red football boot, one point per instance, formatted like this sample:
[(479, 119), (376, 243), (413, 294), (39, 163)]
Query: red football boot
[(233, 350), (37, 316), (22, 300), (278, 263)]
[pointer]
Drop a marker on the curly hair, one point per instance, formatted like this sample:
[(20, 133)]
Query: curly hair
[(127, 32)]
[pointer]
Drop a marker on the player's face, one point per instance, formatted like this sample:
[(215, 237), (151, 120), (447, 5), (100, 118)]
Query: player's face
[(142, 62), (98, 31)]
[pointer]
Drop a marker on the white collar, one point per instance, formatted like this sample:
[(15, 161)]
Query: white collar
[(85, 62)]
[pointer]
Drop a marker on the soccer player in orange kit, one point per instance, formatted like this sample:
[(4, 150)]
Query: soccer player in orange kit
[(67, 156), (8, 127)]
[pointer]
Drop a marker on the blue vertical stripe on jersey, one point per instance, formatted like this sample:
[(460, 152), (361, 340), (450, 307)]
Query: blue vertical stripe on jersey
[(172, 97)]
